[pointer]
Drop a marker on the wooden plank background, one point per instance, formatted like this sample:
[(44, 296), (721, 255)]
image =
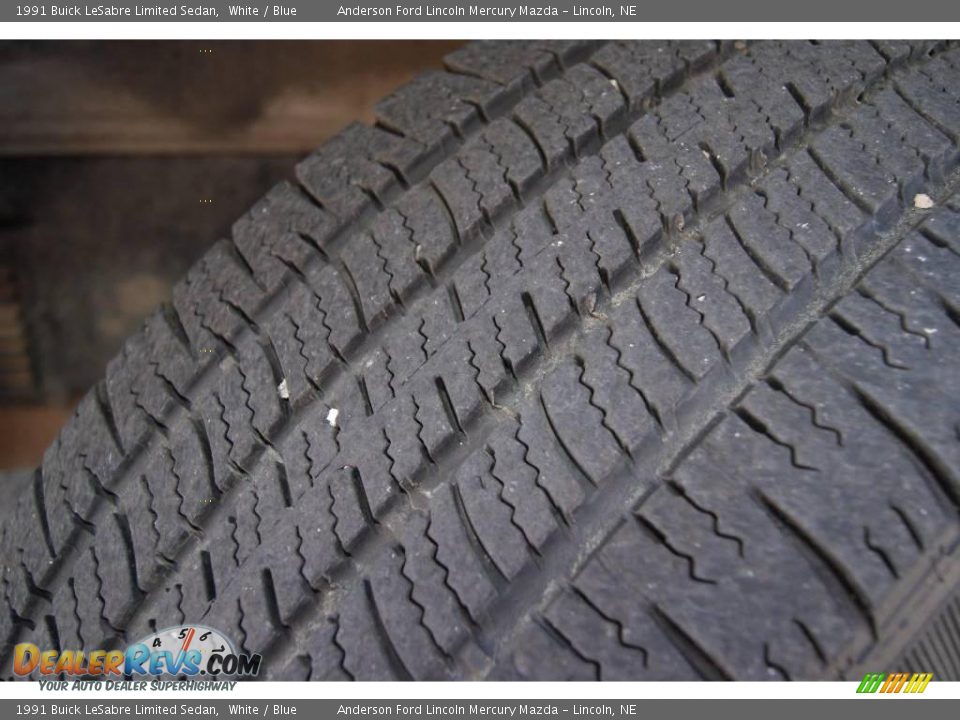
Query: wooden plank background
[(138, 97), (105, 151)]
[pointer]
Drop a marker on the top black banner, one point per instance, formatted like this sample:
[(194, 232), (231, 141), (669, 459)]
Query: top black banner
[(464, 11)]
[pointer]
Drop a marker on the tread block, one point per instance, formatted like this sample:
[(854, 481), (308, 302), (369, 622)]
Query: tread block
[(849, 163), (769, 245), (517, 156), (169, 345), (300, 341), (192, 459), (707, 294), (436, 108), (678, 539), (799, 218), (490, 517), (653, 372), (934, 265), (623, 406), (401, 255), (597, 638), (483, 188), (513, 65), (943, 229), (284, 230), (460, 195), (167, 501), (436, 420), (570, 113), (406, 453), (346, 488), (562, 482), (487, 360), (357, 170), (534, 642), (338, 312), (212, 416), (321, 547), (371, 466), (904, 377), (465, 570), (825, 198), (445, 618), (136, 504), (637, 629), (816, 505), (365, 268), (322, 661), (888, 144), (645, 69), (741, 275), (931, 99), (432, 231), (401, 617), (676, 326), (577, 424), (531, 510)]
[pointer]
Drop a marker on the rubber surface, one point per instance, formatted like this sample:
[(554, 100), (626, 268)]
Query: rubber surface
[(620, 361)]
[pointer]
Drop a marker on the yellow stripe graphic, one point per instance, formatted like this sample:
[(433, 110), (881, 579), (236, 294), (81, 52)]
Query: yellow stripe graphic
[(914, 682), (925, 679), (918, 682)]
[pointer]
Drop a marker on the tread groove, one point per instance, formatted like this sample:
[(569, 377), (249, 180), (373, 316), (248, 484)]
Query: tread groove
[(400, 670)]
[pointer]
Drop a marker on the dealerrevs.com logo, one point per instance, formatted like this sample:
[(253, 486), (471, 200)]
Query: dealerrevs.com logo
[(182, 651)]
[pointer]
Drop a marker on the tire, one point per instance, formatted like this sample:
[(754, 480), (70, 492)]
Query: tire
[(614, 361)]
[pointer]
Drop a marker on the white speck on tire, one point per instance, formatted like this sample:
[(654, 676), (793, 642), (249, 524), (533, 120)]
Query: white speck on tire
[(923, 202), (332, 417), (283, 390)]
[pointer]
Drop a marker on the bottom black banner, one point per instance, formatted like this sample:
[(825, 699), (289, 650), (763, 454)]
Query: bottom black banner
[(874, 707)]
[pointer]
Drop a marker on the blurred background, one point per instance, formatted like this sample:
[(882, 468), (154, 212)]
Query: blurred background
[(120, 163)]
